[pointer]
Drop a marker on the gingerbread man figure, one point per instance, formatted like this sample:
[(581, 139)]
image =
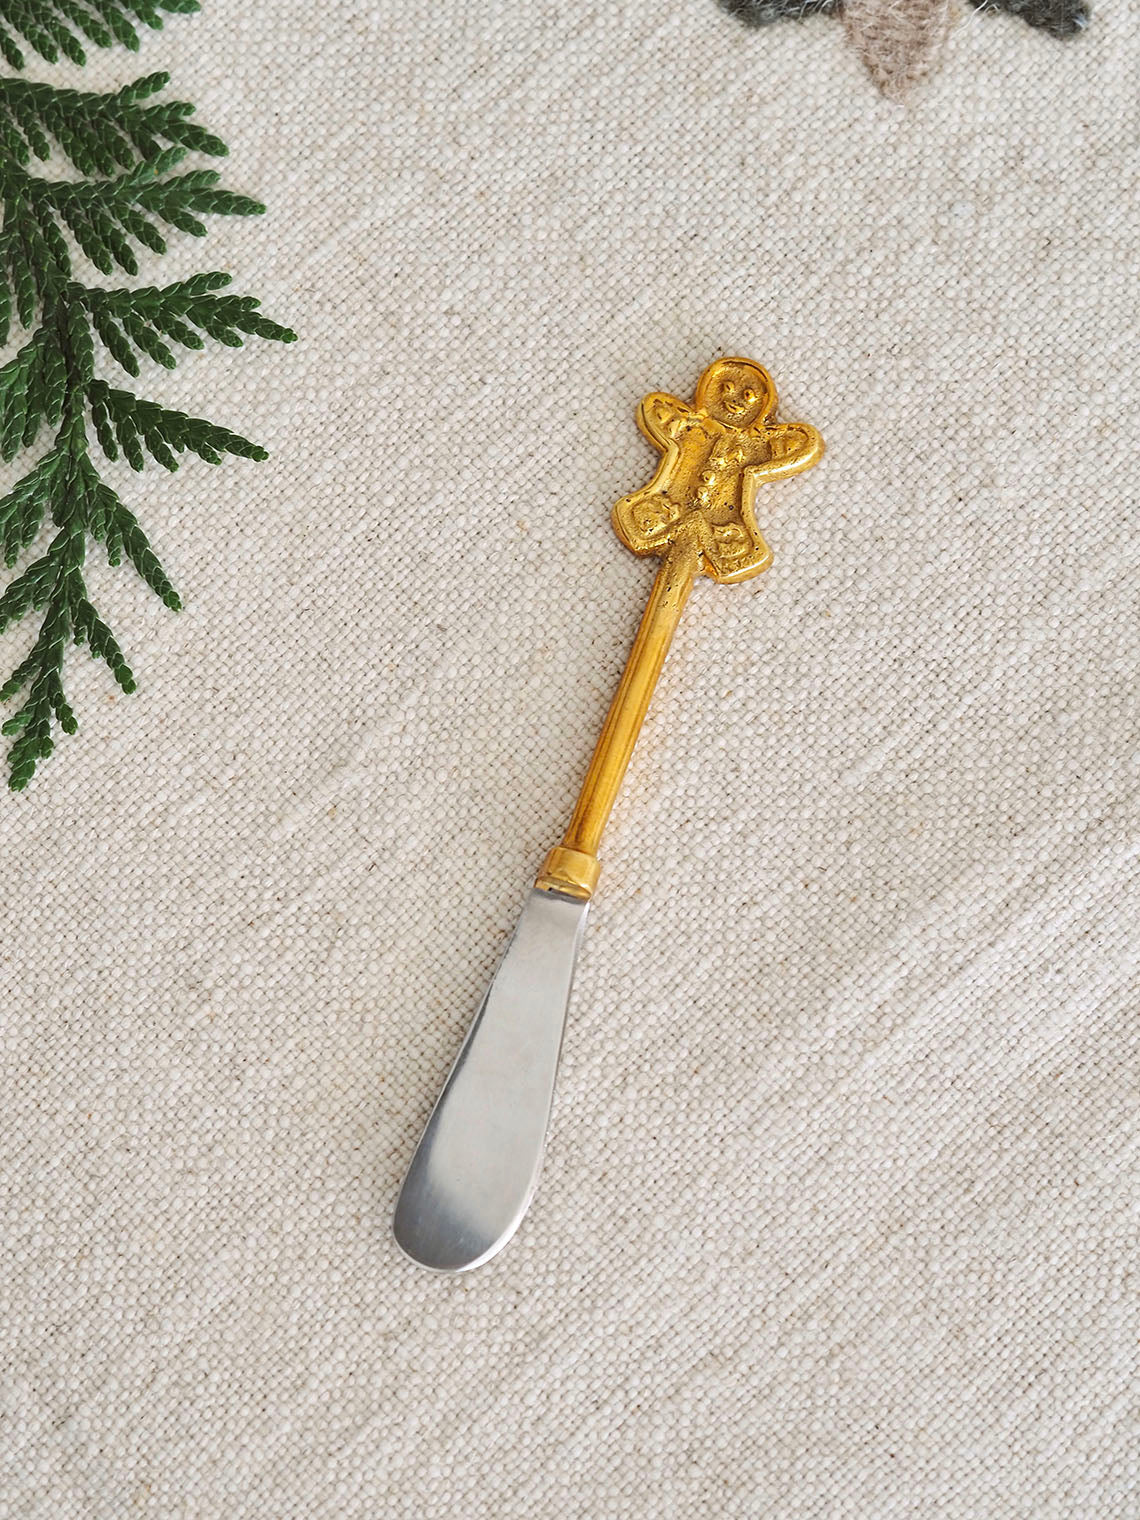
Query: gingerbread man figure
[(715, 454)]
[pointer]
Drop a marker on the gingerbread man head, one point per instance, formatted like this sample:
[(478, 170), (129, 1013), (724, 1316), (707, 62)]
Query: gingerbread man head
[(736, 393)]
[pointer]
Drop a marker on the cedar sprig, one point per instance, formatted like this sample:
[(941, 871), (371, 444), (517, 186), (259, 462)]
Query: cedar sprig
[(126, 423), (65, 486), (105, 218), (127, 149), (57, 362), (132, 322), (54, 27), (98, 134)]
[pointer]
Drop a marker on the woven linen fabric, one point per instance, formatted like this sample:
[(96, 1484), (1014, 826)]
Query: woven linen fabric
[(838, 1217)]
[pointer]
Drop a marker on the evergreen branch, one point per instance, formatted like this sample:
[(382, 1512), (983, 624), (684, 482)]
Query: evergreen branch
[(33, 259), (30, 590), (121, 535), (34, 385), (100, 134), (30, 392), (130, 320), (55, 583), (50, 382), (17, 394), (22, 509), (65, 484), (104, 217), (128, 148), (127, 422), (31, 724), (90, 628), (52, 27)]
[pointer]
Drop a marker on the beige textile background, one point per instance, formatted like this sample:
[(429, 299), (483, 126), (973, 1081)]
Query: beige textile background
[(839, 1217)]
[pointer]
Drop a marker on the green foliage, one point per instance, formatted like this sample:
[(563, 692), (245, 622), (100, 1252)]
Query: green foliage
[(98, 134), (54, 27), (126, 147), (136, 427), (104, 217), (185, 313)]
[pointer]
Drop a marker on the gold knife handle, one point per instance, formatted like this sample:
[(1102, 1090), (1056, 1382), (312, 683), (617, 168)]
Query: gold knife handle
[(697, 515), (572, 867)]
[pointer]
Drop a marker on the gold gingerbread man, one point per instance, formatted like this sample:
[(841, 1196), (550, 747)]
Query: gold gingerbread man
[(714, 455)]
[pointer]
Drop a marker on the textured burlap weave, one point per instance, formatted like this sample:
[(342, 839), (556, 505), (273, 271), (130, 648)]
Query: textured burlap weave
[(839, 1213)]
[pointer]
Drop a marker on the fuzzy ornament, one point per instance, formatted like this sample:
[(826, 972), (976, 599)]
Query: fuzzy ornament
[(900, 40)]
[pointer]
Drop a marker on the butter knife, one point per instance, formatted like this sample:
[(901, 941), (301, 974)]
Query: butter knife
[(476, 1167)]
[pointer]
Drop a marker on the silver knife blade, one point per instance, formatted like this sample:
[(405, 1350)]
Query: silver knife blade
[(476, 1167)]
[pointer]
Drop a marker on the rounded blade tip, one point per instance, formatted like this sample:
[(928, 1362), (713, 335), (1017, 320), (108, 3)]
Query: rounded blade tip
[(438, 1244)]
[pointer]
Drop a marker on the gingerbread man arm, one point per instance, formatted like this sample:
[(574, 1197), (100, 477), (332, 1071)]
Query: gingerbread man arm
[(662, 418), (791, 447)]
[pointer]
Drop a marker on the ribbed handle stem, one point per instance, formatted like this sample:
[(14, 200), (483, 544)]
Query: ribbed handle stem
[(572, 867)]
